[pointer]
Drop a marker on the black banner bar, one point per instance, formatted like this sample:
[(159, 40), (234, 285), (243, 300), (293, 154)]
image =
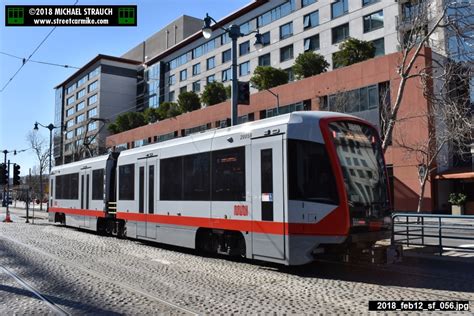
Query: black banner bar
[(462, 306), (67, 15)]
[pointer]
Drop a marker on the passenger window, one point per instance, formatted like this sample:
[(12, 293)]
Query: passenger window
[(127, 182), (228, 178)]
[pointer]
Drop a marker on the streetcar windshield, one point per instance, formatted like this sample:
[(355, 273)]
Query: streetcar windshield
[(363, 168)]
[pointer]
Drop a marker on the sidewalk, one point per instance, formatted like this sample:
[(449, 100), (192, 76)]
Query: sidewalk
[(19, 212)]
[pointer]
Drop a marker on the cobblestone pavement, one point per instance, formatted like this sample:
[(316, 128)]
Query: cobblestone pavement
[(84, 273)]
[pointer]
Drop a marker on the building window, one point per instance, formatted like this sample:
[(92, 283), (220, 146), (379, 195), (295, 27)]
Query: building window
[(358, 100), (172, 80), (211, 78), (71, 100), (178, 61), (183, 89), (339, 8), (225, 38), (340, 33), (286, 53), (226, 56), (92, 112), (379, 47), (81, 93), (93, 86), (311, 20), (367, 2), (92, 126), (70, 112), (373, 21), (286, 30), (82, 81), (153, 102), (80, 118), (266, 38), (276, 13), (69, 123), (291, 75), (226, 75), (196, 69), (80, 106), (197, 86), (94, 73), (204, 48), (92, 99), (311, 43), (244, 48), (171, 96), (183, 75), (244, 68), (210, 63), (305, 3), (264, 60), (79, 131), (246, 28), (70, 135), (71, 88)]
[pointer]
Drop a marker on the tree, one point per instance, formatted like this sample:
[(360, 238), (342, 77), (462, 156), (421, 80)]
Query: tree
[(449, 112), (150, 115), (309, 64), (353, 51), (189, 101), (213, 93), (452, 21), (168, 110), (41, 152), (127, 121), (266, 77)]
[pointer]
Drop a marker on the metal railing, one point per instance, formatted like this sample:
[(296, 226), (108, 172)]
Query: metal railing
[(433, 230)]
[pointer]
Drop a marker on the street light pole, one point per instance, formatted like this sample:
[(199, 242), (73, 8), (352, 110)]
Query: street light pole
[(50, 127), (234, 34), (278, 100)]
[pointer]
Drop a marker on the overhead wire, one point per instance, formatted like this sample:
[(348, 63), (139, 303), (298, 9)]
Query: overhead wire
[(25, 61), (40, 62)]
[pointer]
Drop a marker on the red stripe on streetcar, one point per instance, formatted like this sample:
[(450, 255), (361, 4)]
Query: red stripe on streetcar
[(75, 211), (326, 227)]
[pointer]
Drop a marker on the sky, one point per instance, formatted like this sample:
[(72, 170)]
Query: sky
[(29, 97)]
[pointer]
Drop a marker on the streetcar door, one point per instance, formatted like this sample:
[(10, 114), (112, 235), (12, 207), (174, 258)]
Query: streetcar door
[(268, 214), (146, 197), (85, 189)]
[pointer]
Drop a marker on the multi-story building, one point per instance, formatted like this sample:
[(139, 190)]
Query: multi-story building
[(288, 28), (104, 88), (91, 97)]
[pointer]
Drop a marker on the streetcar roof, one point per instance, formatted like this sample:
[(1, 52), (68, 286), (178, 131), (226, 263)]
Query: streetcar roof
[(282, 120)]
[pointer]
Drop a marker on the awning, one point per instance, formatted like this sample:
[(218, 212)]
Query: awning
[(455, 175)]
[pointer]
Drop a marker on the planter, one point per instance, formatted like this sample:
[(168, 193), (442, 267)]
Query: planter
[(457, 209)]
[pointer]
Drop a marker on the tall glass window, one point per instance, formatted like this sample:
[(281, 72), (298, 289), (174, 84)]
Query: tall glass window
[(286, 30), (339, 8), (210, 63), (311, 20), (340, 33), (373, 21)]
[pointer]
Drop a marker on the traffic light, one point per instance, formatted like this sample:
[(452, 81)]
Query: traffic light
[(244, 93), (3, 174), (16, 174)]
